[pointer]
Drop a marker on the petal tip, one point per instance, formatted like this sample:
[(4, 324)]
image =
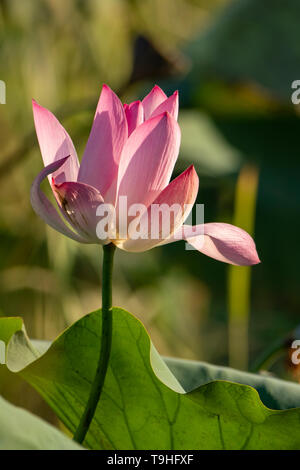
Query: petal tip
[(36, 105), (106, 89), (191, 168), (255, 260), (193, 171), (251, 258)]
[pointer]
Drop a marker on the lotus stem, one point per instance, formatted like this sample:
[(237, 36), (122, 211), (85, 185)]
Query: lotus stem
[(105, 349)]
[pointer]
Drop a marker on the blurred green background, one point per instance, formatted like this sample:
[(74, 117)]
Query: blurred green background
[(233, 63)]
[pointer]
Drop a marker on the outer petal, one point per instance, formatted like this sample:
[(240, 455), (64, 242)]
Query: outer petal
[(223, 242), (78, 203), (43, 207), (55, 143), (227, 243), (134, 114), (171, 105), (99, 166), (180, 194), (153, 100), (148, 159)]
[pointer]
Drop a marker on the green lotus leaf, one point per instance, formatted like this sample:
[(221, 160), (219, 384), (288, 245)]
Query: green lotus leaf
[(143, 404)]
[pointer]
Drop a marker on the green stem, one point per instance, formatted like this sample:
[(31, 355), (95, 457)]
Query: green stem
[(106, 338)]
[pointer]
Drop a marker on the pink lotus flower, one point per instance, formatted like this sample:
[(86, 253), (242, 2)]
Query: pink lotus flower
[(131, 151)]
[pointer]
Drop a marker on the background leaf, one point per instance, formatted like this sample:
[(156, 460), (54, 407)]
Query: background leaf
[(274, 393), (21, 430), (146, 413), (252, 41)]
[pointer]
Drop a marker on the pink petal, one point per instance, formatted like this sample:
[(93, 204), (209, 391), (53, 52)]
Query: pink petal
[(43, 207), (99, 166), (78, 203), (148, 159), (182, 191), (55, 143), (223, 242), (171, 105), (153, 100), (134, 115)]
